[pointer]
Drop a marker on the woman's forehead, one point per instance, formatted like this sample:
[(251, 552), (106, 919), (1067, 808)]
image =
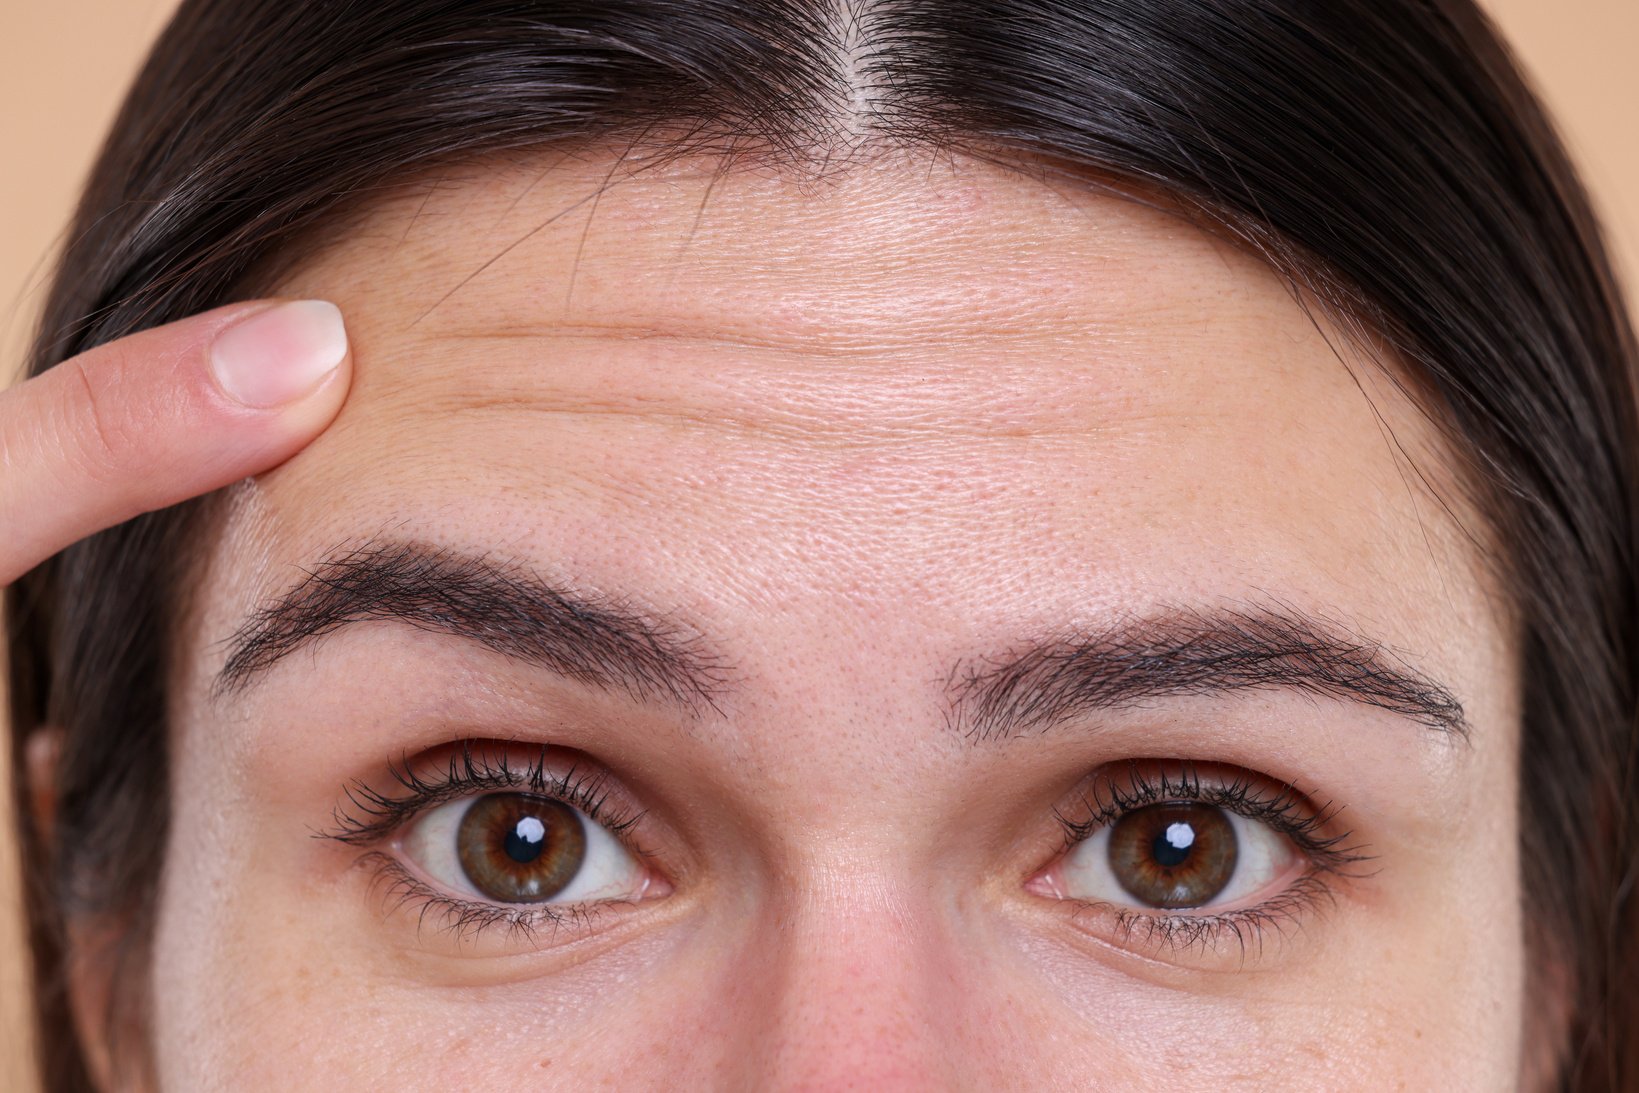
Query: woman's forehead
[(932, 392)]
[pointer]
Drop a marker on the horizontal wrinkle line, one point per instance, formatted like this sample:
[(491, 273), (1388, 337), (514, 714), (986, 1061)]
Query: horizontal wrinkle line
[(611, 333), (797, 429), (818, 343)]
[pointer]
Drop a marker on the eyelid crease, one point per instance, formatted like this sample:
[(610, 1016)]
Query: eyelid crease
[(1286, 809), (370, 816)]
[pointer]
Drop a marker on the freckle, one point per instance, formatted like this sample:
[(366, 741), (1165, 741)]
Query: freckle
[(544, 1064)]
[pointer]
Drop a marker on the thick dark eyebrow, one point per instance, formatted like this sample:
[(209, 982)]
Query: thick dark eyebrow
[(498, 605), (1180, 653)]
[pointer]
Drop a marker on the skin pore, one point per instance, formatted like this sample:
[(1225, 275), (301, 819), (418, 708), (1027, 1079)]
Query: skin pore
[(845, 455)]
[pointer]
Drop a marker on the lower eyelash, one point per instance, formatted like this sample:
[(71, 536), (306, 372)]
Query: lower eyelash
[(468, 920), (1248, 927)]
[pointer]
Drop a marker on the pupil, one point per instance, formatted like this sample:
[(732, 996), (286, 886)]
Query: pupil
[(1171, 847), (526, 840)]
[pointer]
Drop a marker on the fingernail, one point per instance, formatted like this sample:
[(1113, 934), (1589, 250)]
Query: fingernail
[(278, 355)]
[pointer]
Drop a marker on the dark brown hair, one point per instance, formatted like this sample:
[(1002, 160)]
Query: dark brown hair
[(1384, 154)]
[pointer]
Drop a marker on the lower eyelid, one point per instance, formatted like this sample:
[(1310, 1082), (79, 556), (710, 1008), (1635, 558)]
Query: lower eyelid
[(1239, 934), (402, 894)]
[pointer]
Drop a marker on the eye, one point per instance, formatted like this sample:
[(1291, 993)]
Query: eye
[(1174, 855), (522, 848)]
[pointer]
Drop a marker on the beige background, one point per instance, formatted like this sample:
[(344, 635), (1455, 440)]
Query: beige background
[(65, 63)]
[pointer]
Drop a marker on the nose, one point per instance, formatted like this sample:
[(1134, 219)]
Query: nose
[(863, 986)]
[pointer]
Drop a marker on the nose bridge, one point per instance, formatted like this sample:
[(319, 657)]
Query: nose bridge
[(864, 988)]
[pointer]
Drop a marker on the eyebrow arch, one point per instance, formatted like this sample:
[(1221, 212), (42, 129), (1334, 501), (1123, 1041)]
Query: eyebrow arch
[(503, 607), (1188, 652)]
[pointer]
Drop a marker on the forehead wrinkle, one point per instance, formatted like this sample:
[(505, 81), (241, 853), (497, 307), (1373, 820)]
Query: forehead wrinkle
[(767, 339), (837, 347), (925, 433), (922, 395)]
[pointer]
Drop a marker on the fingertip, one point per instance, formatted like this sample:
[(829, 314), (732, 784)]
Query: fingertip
[(282, 355), (166, 414)]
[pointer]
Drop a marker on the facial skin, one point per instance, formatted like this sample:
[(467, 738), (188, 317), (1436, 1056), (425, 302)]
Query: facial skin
[(851, 448)]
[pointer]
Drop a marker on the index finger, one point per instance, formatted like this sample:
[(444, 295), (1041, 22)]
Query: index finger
[(161, 416)]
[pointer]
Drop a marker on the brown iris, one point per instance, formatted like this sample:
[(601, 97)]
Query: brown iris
[(1175, 854), (519, 848)]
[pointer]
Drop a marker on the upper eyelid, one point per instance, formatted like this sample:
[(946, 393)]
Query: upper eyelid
[(371, 816), (1328, 851)]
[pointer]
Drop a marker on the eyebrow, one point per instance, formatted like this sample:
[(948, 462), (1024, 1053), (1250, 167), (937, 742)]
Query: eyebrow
[(1172, 653), (1184, 652), (500, 606)]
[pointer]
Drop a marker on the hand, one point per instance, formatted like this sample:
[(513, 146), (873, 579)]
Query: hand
[(161, 416)]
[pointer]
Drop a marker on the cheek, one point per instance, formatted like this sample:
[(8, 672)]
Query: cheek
[(209, 965)]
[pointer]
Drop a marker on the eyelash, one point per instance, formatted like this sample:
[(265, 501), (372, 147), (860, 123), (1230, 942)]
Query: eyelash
[(1286, 810), (370, 817)]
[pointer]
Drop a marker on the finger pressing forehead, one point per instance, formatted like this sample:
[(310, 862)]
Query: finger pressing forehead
[(912, 403)]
